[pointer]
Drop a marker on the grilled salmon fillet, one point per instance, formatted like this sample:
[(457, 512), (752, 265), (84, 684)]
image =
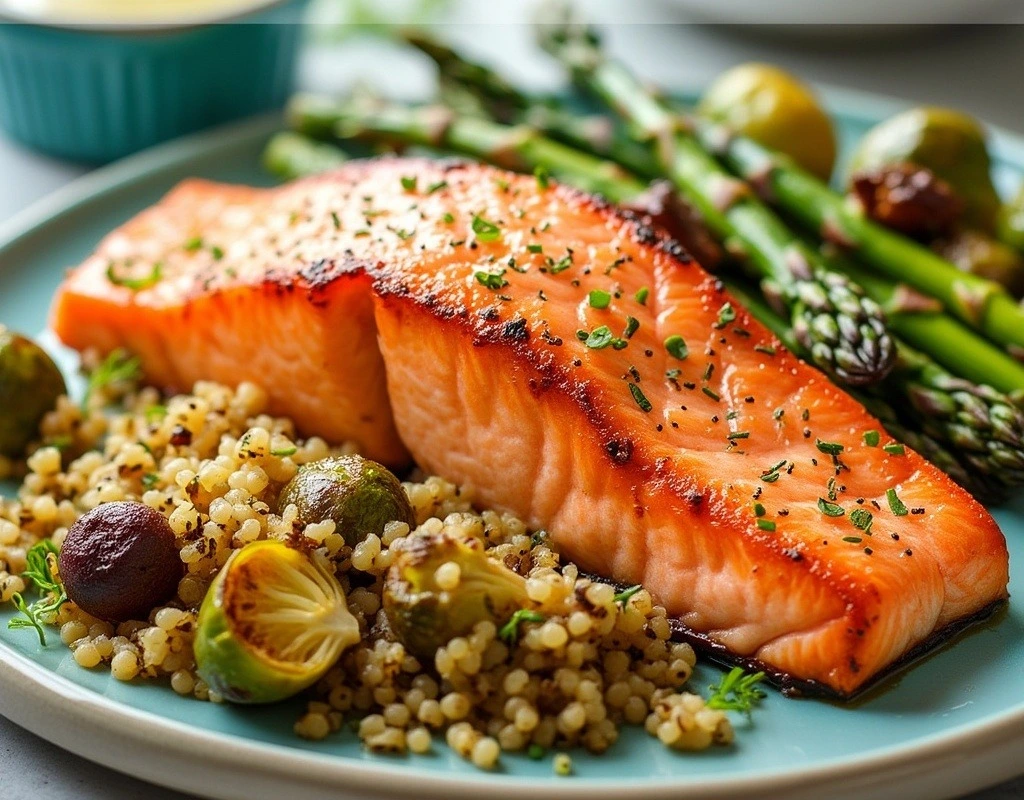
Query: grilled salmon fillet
[(573, 367)]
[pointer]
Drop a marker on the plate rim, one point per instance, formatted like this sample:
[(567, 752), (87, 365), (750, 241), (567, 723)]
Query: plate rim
[(27, 688)]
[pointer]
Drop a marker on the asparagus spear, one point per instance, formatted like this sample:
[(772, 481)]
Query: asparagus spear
[(972, 433), (497, 98), (842, 330), (981, 303), (518, 148), (291, 155), (920, 322)]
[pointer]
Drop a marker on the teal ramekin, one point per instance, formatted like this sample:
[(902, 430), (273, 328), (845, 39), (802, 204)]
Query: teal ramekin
[(95, 94)]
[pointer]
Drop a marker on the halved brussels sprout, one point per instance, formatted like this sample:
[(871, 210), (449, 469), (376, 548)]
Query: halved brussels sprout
[(273, 622), (439, 587)]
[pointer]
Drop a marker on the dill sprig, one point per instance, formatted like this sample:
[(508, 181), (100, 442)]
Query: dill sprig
[(738, 691), (118, 367), (39, 570), (509, 632)]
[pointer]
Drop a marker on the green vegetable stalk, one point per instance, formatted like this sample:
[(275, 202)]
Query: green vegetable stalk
[(979, 302), (843, 331)]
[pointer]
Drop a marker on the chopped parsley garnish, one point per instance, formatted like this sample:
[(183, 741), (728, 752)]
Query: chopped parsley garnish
[(447, 218), (336, 220), (492, 280), (155, 413), (640, 398), (542, 175), (509, 632), (711, 393), (135, 284), (554, 267), (285, 451), (861, 518), (759, 510), (409, 183), (535, 248), (764, 348), (871, 438), (596, 339), (598, 298), (437, 186), (194, 244), (726, 314), (737, 692), (765, 524), (830, 448), (733, 435), (642, 294), (676, 347), (485, 231), (895, 504), (894, 449), (623, 597), (632, 325), (53, 596), (853, 539), (830, 509), (149, 480)]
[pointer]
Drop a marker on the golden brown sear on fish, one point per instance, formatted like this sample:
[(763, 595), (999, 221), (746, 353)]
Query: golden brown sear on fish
[(573, 367)]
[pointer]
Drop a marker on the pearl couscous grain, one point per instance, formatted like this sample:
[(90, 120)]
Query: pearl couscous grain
[(596, 661)]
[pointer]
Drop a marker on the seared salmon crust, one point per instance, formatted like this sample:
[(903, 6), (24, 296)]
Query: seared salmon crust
[(573, 367)]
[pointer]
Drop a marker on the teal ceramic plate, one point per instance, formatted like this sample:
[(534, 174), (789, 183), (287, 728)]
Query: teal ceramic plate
[(952, 724)]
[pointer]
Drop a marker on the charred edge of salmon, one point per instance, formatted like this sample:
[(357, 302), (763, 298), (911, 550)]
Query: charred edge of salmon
[(792, 686)]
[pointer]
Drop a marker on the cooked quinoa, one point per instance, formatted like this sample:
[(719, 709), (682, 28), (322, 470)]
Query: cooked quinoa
[(214, 462)]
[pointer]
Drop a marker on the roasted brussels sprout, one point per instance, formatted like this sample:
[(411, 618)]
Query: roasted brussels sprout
[(119, 561), (273, 622), (439, 587), (360, 496), (949, 144), (776, 109), (30, 384), (980, 254), (1011, 222)]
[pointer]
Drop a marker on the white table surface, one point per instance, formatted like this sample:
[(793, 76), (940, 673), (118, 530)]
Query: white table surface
[(976, 69)]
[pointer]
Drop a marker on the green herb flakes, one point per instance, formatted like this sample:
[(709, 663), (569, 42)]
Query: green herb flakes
[(485, 231), (895, 504), (676, 347), (640, 398), (598, 298), (641, 295), (135, 284), (766, 524), (598, 338), (726, 314), (871, 438), (895, 449), (830, 448), (623, 597), (830, 509), (861, 518), (492, 280)]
